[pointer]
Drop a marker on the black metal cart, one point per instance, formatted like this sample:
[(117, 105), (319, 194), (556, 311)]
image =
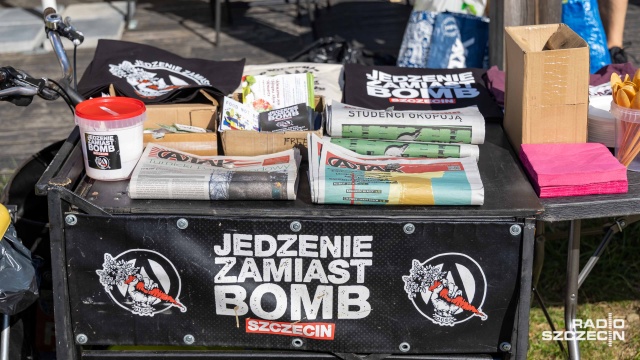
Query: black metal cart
[(269, 279)]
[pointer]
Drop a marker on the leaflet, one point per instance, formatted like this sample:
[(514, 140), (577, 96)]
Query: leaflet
[(266, 93), (237, 116)]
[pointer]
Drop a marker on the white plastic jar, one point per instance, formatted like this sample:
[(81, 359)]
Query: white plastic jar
[(111, 134)]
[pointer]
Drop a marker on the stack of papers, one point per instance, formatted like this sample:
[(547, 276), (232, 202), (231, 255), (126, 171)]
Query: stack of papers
[(601, 125), (573, 169), (341, 176)]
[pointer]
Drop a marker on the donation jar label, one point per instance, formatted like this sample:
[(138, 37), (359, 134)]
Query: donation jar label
[(103, 151)]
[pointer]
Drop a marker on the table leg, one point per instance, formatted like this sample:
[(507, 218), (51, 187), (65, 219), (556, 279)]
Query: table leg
[(571, 295), (218, 20), (538, 252), (4, 340), (129, 20)]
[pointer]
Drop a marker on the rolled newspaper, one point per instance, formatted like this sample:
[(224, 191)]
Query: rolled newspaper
[(463, 125), (165, 173), (408, 149)]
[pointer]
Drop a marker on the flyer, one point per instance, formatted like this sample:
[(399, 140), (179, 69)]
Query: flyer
[(266, 93)]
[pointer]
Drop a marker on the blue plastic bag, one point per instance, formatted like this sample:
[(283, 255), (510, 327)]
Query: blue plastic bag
[(445, 41), (459, 41), (417, 39), (583, 17)]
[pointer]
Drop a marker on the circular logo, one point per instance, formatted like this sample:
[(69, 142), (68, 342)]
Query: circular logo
[(447, 289), (102, 162), (284, 123), (141, 281)]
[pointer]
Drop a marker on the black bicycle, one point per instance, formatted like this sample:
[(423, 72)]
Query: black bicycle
[(29, 213)]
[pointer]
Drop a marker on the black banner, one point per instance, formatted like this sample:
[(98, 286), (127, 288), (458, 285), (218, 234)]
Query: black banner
[(336, 286)]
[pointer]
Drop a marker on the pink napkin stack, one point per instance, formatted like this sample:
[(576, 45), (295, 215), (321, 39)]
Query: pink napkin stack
[(573, 169)]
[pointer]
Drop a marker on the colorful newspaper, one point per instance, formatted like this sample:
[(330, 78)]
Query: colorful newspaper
[(164, 173), (408, 148), (340, 176), (463, 125)]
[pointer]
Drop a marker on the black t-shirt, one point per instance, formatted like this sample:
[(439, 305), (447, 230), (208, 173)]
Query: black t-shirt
[(154, 75), (380, 87)]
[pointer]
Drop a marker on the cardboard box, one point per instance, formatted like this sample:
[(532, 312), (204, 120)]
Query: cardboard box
[(250, 143), (200, 115), (546, 91)]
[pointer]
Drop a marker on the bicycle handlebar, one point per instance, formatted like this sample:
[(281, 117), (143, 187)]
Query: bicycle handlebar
[(19, 87), (54, 22), (55, 28)]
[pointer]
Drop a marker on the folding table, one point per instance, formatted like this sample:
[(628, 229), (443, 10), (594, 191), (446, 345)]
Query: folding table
[(625, 208)]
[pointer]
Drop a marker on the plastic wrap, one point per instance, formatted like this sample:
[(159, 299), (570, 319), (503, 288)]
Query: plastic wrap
[(445, 41), (18, 286)]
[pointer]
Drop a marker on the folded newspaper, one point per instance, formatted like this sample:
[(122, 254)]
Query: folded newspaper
[(408, 148), (341, 176), (164, 173), (463, 125)]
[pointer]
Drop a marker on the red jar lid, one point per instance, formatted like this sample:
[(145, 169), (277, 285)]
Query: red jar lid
[(110, 108)]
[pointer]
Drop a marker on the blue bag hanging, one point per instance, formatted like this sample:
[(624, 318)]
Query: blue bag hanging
[(583, 17), (417, 40), (459, 41)]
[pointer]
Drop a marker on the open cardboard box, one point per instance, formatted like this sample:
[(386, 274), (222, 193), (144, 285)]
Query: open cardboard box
[(199, 115), (250, 143), (546, 91)]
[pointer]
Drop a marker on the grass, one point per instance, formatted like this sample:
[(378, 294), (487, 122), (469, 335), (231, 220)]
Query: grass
[(4, 179), (612, 287)]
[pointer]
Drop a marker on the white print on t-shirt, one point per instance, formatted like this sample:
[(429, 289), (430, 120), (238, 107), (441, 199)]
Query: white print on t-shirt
[(153, 84), (437, 88)]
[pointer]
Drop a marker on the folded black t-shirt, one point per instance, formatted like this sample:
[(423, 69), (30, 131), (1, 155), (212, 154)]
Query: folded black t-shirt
[(154, 75), (380, 87)]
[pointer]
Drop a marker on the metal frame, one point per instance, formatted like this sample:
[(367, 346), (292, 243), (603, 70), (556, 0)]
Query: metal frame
[(240, 355), (571, 292), (5, 338), (575, 276), (521, 331)]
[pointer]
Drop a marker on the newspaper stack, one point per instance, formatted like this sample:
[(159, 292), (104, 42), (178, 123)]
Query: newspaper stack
[(341, 176), (431, 133), (164, 173)]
